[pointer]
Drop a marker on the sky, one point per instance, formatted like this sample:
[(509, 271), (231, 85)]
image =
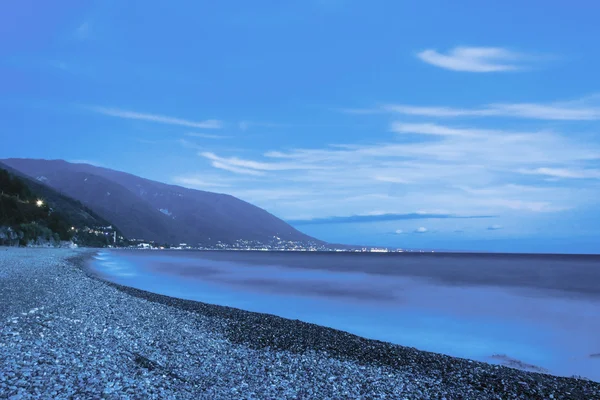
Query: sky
[(416, 124)]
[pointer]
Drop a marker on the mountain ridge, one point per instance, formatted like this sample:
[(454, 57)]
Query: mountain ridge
[(156, 211)]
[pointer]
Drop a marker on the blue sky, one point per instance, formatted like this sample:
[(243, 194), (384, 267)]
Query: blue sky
[(382, 121)]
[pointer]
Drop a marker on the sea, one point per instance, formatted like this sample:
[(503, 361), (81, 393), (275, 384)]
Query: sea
[(533, 312)]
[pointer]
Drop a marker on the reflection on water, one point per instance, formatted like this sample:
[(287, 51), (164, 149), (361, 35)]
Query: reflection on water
[(531, 325)]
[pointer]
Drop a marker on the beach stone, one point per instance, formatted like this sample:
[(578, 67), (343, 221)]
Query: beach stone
[(105, 340)]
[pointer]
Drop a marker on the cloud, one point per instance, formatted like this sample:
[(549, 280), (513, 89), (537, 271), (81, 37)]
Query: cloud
[(377, 217), (421, 230), (564, 173), (391, 179), (437, 130), (198, 183), (473, 59), (206, 135), (235, 164), (509, 188), (114, 112), (532, 206), (462, 169), (494, 227), (237, 170), (583, 110), (471, 172), (481, 146), (398, 231)]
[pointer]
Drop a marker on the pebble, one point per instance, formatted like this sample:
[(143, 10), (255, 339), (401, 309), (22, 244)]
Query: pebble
[(77, 336)]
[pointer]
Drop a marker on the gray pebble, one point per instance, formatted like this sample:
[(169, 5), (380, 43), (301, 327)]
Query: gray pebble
[(94, 339)]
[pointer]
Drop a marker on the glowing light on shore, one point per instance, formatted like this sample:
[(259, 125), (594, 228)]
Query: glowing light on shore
[(39, 203)]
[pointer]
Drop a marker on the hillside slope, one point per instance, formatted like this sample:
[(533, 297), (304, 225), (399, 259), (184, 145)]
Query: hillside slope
[(150, 210), (32, 212)]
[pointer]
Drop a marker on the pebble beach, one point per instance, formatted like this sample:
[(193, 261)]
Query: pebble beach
[(65, 333)]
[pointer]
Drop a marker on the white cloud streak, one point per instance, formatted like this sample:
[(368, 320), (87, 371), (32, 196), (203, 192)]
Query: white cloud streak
[(206, 135), (238, 164), (234, 169), (463, 171), (474, 59), (564, 173), (198, 183), (438, 130), (163, 119), (553, 112), (391, 179)]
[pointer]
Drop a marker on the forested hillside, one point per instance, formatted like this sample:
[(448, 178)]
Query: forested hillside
[(33, 214)]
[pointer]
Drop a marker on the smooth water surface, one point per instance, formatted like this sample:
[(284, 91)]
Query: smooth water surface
[(539, 311)]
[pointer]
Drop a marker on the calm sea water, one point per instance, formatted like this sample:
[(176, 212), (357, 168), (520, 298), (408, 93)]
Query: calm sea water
[(543, 311)]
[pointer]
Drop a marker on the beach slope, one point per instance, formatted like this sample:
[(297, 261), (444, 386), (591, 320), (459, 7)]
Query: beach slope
[(67, 334)]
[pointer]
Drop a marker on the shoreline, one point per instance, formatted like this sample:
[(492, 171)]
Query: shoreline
[(424, 374), (269, 332)]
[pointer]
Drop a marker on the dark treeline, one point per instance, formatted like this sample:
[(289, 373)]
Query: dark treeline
[(28, 218)]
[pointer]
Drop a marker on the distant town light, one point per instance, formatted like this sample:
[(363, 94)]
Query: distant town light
[(39, 203)]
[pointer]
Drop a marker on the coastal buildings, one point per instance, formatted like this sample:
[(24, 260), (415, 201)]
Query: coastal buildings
[(276, 244)]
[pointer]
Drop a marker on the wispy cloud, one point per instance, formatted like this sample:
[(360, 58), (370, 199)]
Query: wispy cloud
[(466, 173), (583, 110), (474, 59), (391, 179), (206, 135), (437, 130), (353, 219), (460, 169), (250, 167), (163, 119), (421, 229), (564, 173), (494, 227), (237, 170), (199, 182)]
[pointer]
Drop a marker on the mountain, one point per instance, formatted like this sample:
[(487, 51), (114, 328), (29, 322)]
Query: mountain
[(33, 212), (149, 210)]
